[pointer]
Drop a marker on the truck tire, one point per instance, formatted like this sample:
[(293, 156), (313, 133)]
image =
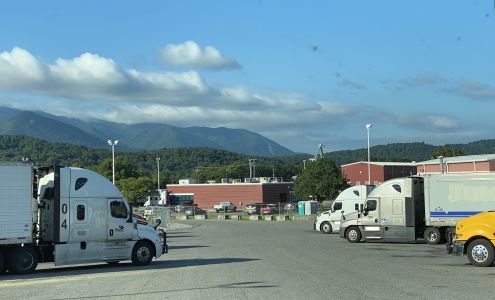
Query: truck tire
[(2, 263), (353, 235), (480, 253), (22, 260), (142, 253), (432, 235), (325, 227)]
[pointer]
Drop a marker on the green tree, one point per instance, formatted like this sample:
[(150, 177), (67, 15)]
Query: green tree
[(446, 151), (135, 189), (321, 179), (123, 169)]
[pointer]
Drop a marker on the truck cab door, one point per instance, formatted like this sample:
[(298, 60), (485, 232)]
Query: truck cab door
[(118, 243), (371, 222)]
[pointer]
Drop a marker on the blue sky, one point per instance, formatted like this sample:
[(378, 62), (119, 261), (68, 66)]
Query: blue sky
[(299, 72)]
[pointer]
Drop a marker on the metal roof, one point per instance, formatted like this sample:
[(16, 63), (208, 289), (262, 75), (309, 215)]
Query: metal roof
[(384, 163), (459, 159)]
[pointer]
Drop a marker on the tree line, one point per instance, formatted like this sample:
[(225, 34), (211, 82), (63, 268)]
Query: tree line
[(136, 172)]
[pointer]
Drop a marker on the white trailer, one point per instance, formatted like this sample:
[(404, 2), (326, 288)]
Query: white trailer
[(345, 203), (68, 216), (412, 208)]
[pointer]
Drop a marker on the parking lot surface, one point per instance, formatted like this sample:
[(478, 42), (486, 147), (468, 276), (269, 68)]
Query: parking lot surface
[(264, 260)]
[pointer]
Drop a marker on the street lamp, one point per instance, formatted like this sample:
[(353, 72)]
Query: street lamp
[(113, 144), (368, 127), (158, 167)]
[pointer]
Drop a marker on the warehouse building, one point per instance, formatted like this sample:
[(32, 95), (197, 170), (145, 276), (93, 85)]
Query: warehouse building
[(458, 164), (256, 190), (357, 173)]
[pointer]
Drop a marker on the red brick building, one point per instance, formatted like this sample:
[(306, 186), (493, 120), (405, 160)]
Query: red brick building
[(459, 164), (207, 195), (357, 173)]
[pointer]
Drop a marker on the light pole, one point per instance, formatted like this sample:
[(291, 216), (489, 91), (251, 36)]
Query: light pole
[(368, 127), (158, 172), (113, 144)]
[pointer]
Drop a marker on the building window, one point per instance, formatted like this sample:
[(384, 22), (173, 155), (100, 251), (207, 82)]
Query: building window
[(81, 212), (181, 199)]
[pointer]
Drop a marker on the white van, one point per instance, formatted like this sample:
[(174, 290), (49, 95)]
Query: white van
[(329, 221)]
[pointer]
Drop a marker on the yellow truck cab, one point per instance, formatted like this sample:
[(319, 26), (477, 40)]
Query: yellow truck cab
[(475, 237)]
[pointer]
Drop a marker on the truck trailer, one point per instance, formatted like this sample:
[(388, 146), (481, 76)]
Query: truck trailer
[(420, 207), (329, 221), (67, 216)]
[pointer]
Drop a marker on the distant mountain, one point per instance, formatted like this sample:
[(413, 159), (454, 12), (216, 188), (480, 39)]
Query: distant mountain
[(142, 136), (33, 125)]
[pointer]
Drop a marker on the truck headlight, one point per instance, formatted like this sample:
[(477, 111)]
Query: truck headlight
[(458, 236)]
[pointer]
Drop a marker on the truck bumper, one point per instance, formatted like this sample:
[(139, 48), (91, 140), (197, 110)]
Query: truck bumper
[(163, 237), (454, 247)]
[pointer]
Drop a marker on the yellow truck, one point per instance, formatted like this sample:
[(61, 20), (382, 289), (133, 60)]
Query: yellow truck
[(474, 237)]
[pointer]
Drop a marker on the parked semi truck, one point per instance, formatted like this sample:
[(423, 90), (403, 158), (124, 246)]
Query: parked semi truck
[(474, 237), (417, 207), (68, 216), (329, 221)]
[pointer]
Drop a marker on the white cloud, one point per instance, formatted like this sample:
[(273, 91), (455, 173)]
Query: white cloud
[(97, 87), (189, 54), (20, 69)]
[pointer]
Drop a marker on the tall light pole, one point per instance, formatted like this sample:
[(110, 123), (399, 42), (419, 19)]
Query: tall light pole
[(158, 172), (113, 144), (368, 127)]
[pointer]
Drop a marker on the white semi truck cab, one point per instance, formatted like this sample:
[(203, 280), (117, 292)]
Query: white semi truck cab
[(345, 203), (420, 208), (67, 216)]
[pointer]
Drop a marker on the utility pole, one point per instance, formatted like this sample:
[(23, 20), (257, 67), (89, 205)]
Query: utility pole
[(113, 144), (158, 172)]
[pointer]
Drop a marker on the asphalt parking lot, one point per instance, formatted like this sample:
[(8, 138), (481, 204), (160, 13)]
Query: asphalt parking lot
[(263, 260)]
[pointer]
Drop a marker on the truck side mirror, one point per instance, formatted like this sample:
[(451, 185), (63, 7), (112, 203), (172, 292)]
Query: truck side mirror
[(130, 219), (356, 207), (158, 222)]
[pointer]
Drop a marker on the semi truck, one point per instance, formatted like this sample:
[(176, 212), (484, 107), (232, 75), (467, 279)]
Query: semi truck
[(329, 221), (474, 237), (67, 216), (420, 207)]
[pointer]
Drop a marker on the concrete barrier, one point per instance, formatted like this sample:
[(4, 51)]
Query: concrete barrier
[(223, 217), (200, 217), (181, 217), (282, 218), (254, 217), (268, 218), (235, 217)]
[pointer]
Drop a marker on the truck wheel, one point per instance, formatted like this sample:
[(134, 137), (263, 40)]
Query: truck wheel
[(325, 227), (23, 260), (142, 253), (353, 234), (433, 235), (480, 253), (2, 263)]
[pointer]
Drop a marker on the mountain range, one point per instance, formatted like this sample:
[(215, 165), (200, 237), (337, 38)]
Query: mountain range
[(141, 136)]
